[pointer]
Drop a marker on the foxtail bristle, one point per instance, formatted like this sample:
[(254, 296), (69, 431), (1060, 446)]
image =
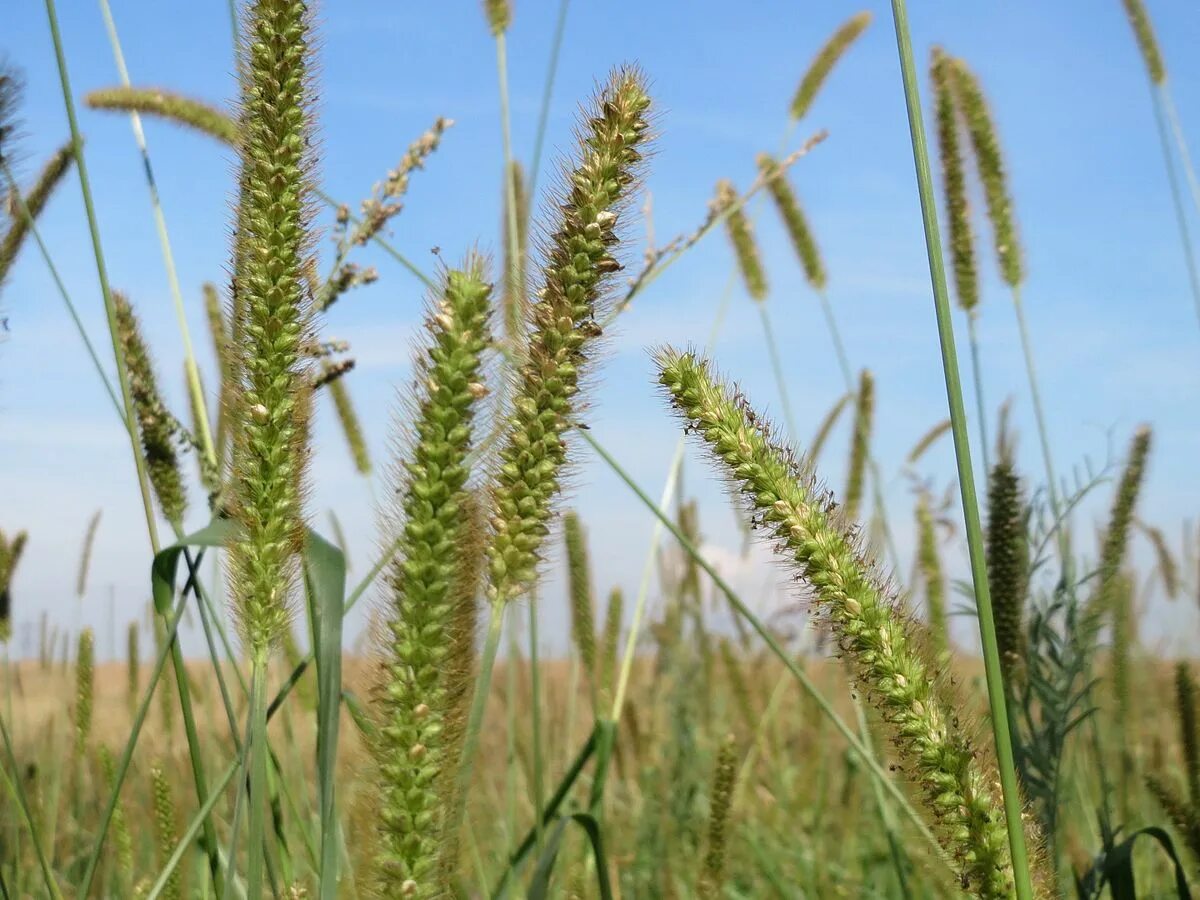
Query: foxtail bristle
[(1143, 30), (273, 246), (51, 175), (159, 429), (860, 443), (578, 272), (435, 532), (195, 114), (741, 235), (960, 792), (712, 875), (954, 183), (579, 577), (828, 56), (794, 221), (85, 690), (989, 161)]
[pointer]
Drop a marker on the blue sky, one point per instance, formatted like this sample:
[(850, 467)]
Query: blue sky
[(1112, 320)]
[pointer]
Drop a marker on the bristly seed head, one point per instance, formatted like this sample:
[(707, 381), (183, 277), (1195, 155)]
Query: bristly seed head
[(272, 309), (579, 268), (954, 182), (741, 235), (1147, 42), (794, 220), (828, 56)]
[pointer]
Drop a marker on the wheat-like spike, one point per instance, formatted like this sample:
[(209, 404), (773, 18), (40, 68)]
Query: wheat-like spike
[(610, 642), (1189, 737), (351, 427), (85, 556), (960, 792), (1116, 535), (741, 235), (10, 554), (826, 426), (1168, 570), (794, 221), (1007, 561), (159, 429), (1143, 30), (186, 111), (426, 586), (954, 183), (273, 246), (578, 272), (12, 87), (828, 56), (515, 300), (85, 690), (712, 875), (50, 177), (1185, 818), (989, 162), (860, 443), (218, 329), (122, 840), (499, 15), (579, 578), (930, 563), (1124, 637), (165, 830)]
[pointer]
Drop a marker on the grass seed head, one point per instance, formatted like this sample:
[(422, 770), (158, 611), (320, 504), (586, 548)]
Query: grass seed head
[(578, 272), (159, 429), (579, 577), (49, 178), (185, 111), (165, 829), (930, 564), (351, 427), (741, 235), (959, 792), (860, 444), (85, 690), (1143, 30), (499, 15), (273, 246), (11, 549), (794, 221), (828, 56), (712, 876), (954, 182), (1007, 561)]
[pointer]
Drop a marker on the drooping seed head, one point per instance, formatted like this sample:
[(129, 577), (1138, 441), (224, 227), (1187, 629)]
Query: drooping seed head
[(272, 249), (959, 791), (741, 235), (11, 549), (794, 221), (954, 182), (1007, 562), (578, 272), (1143, 30), (989, 162), (85, 557), (351, 427), (860, 443), (186, 111), (159, 429), (828, 56)]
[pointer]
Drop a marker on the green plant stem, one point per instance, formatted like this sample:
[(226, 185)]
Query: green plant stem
[(135, 731), (257, 717), (1043, 432), (962, 452), (483, 687), (539, 780), (1185, 155), (102, 274), (977, 378), (777, 367), (1185, 239), (763, 632), (839, 349), (560, 27), (164, 241), (23, 208), (18, 792)]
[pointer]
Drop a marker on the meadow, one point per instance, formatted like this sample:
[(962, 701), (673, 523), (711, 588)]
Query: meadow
[(983, 716)]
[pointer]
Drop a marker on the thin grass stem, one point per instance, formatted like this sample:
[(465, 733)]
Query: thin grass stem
[(1189, 254), (256, 835), (977, 379), (18, 792), (560, 27), (962, 450)]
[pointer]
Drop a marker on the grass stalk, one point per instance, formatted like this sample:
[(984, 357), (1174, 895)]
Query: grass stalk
[(777, 367), (23, 208), (102, 274), (977, 381), (164, 241), (483, 687), (1185, 239), (535, 717), (18, 792), (1040, 417), (257, 729), (962, 451)]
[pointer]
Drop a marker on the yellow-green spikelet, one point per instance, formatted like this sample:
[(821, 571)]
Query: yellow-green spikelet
[(10, 554), (578, 270), (794, 221), (158, 428), (1007, 562), (425, 587), (272, 247), (860, 442), (827, 57), (741, 235), (930, 564), (1116, 535), (1147, 42), (51, 175), (954, 184), (583, 621), (165, 829), (85, 689), (959, 792)]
